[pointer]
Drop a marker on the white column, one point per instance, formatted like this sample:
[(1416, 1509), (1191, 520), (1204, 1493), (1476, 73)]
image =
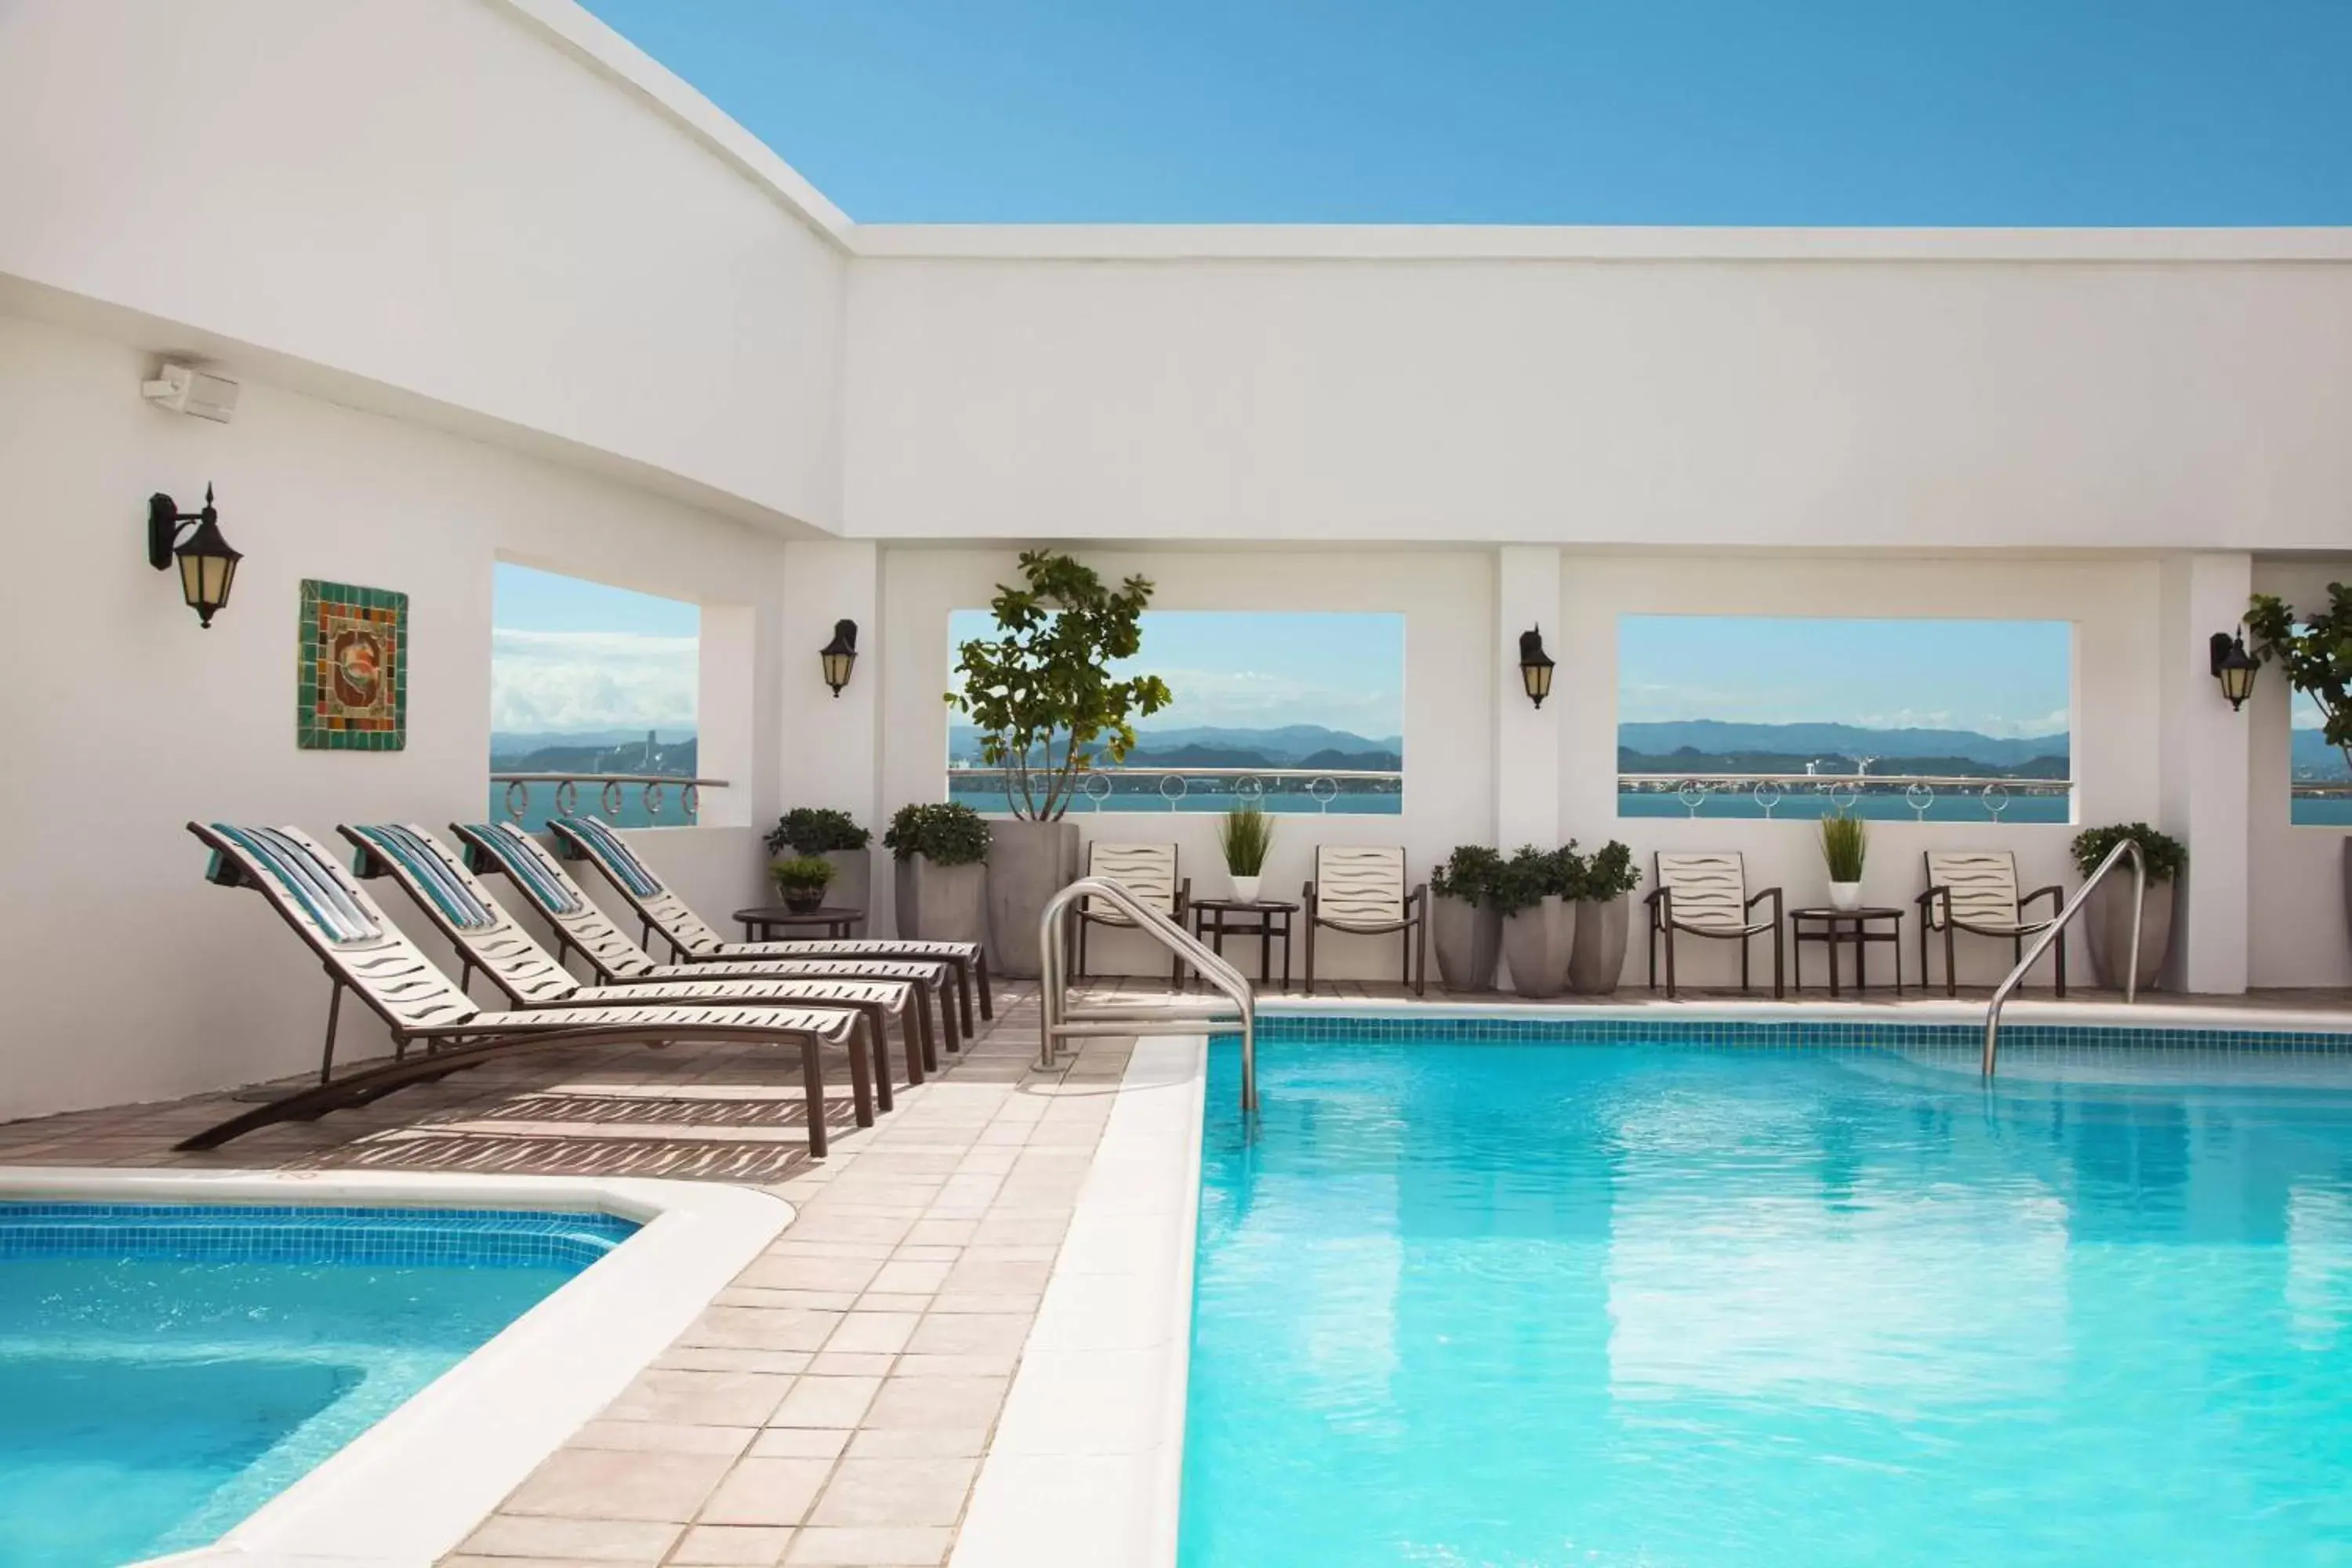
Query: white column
[(2207, 748), (1526, 740)]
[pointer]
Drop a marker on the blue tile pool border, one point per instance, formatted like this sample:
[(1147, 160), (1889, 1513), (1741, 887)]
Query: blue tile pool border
[(310, 1234), (1814, 1034)]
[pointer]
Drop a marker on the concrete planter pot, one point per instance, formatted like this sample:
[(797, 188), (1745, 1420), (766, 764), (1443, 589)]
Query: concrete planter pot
[(1598, 960), (1469, 943), (1538, 945), (2106, 925), (852, 882), (1028, 863), (942, 903)]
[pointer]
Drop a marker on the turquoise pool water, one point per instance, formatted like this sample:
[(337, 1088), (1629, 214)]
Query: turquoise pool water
[(1521, 1305), (165, 1370)]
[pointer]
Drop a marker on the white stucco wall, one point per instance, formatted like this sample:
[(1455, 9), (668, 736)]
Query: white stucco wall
[(1137, 383), (2297, 928), (130, 977), (432, 196)]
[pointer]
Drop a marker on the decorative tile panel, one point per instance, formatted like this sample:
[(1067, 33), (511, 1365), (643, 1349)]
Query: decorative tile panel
[(352, 669)]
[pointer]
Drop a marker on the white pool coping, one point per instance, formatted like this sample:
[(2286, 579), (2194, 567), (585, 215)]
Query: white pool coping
[(2149, 1014), (1087, 1464), (409, 1490)]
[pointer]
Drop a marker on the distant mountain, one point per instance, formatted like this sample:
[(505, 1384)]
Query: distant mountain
[(506, 742), (1213, 746), (2311, 757), (677, 757), (1716, 737)]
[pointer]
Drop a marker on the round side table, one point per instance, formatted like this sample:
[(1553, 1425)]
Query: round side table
[(762, 924)]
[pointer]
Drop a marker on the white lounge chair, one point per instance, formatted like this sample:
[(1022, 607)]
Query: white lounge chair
[(366, 953), (1976, 892), (1706, 895), (1149, 872), (1361, 890), (692, 941), (489, 939)]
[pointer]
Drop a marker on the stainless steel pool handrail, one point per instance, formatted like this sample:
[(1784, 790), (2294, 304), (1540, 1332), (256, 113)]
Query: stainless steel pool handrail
[(1056, 1018), (2050, 934)]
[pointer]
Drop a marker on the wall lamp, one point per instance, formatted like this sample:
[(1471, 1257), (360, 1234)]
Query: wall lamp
[(207, 565), (2234, 667), (1535, 666), (839, 655)]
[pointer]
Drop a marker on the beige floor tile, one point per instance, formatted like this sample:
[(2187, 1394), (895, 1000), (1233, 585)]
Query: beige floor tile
[(918, 1402), (852, 1363), (700, 1398), (970, 1333), (598, 1483), (883, 1333), (761, 1329), (825, 1547), (732, 1546), (895, 1492), (800, 1443), (711, 1358), (991, 1276), (922, 1279), (921, 1443), (767, 1491), (827, 1402), (586, 1540), (663, 1437)]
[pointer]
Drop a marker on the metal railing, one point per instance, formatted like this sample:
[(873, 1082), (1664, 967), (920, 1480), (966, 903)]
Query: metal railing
[(2050, 934), (1916, 790), (1174, 786), (612, 797), (1059, 1019)]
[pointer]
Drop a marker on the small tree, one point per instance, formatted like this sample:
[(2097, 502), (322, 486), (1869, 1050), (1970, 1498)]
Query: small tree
[(2316, 656), (1045, 680)]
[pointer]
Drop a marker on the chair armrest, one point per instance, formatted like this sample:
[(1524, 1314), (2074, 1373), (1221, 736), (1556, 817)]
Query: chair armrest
[(1657, 895), (1418, 897), (1773, 894), (1183, 898), (1935, 891), (2054, 893), (1306, 900)]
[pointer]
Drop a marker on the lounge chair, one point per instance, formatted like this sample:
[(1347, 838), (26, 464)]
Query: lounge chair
[(489, 939), (579, 925), (1149, 872), (691, 940), (1362, 891), (367, 953), (1706, 895), (1976, 892)]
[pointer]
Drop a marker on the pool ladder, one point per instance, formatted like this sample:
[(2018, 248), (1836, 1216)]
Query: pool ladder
[(1060, 1018), (2128, 847)]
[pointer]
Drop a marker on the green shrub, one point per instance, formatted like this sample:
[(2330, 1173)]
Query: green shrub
[(1245, 835), (804, 872), (950, 835), (1608, 873), (2165, 855), (2315, 651), (812, 830), (1844, 844), (1468, 873), (1532, 875)]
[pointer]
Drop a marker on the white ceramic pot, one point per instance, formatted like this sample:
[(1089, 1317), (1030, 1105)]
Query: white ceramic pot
[(1846, 897), (1245, 887)]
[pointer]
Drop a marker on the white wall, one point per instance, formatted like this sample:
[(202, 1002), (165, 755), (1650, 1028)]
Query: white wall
[(1134, 384), (430, 196), (130, 977), (2297, 930)]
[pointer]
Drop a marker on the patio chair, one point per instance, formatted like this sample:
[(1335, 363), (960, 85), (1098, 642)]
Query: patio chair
[(579, 925), (487, 938), (691, 940), (1362, 891), (1149, 872), (1975, 890), (366, 953), (1706, 895)]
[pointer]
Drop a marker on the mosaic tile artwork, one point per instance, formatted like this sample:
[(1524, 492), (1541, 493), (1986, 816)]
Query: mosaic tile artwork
[(352, 681)]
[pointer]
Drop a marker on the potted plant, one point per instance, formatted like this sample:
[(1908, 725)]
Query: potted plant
[(2315, 652), (802, 880), (942, 873), (1463, 925), (835, 837), (1844, 843), (1539, 923), (1601, 894), (2108, 919), (1245, 835), (1042, 695)]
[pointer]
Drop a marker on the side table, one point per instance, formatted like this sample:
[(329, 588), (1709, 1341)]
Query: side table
[(1268, 919), (762, 924), (1835, 928)]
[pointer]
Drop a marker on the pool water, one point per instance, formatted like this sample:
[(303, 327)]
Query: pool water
[(1534, 1304), (164, 1370)]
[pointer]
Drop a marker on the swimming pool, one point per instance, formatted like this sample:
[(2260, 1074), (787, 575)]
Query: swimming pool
[(1642, 1301), (165, 1369)]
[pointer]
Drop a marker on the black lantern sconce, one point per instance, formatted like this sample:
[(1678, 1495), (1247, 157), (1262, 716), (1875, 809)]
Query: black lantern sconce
[(2234, 667), (207, 563), (1535, 666), (839, 655)]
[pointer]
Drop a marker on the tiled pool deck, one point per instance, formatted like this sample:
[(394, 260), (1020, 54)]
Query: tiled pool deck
[(833, 1405)]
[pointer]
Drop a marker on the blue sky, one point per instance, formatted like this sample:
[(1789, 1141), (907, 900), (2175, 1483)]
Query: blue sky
[(1260, 670), (1669, 111), (1998, 678), (568, 655)]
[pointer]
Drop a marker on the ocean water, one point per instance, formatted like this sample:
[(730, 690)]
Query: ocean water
[(1522, 1305), (154, 1392)]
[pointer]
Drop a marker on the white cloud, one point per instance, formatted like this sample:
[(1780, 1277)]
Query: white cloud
[(591, 680), (1239, 698)]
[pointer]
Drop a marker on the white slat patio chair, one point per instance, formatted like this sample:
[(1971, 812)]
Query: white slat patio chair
[(1706, 895), (1148, 872), (1975, 890), (1361, 890)]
